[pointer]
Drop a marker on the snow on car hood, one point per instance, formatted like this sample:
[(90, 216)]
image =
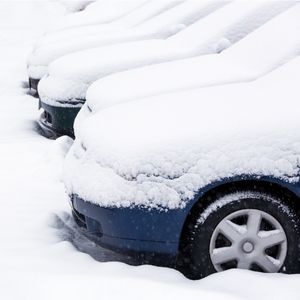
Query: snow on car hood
[(140, 16), (158, 152), (167, 18), (245, 60), (97, 12), (229, 23)]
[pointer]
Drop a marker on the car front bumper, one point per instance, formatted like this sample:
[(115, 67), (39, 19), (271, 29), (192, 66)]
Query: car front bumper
[(57, 121), (131, 230)]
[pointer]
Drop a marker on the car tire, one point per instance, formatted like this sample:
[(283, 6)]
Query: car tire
[(248, 230)]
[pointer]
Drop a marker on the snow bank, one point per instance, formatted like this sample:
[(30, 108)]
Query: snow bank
[(232, 22), (101, 11), (160, 151), (163, 25), (256, 54)]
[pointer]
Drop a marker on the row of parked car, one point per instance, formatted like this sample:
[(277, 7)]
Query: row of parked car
[(186, 122)]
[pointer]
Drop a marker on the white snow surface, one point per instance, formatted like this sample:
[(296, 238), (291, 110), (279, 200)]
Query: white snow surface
[(184, 13), (37, 261), (245, 60), (138, 16), (161, 150), (74, 6), (167, 21), (68, 80), (130, 19), (62, 43), (101, 11)]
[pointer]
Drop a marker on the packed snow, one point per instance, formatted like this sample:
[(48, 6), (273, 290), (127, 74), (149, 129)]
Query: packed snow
[(245, 60), (67, 80), (38, 260), (170, 18), (161, 150)]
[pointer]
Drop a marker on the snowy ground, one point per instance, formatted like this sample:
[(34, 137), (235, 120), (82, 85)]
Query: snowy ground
[(38, 259)]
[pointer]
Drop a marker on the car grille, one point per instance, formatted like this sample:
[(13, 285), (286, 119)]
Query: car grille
[(47, 117)]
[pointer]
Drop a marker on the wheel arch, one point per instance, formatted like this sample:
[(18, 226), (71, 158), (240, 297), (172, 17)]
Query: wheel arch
[(290, 193)]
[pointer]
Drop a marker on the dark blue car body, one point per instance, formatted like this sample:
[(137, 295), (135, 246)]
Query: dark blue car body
[(156, 231)]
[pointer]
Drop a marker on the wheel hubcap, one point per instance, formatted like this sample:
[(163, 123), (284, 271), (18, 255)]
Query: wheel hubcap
[(248, 239), (248, 247)]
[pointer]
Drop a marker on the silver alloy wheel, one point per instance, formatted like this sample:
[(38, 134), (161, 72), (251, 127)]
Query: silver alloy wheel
[(246, 244)]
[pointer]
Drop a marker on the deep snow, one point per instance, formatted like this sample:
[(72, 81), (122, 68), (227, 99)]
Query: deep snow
[(37, 258)]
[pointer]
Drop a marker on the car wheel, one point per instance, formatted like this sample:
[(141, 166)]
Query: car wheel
[(245, 230)]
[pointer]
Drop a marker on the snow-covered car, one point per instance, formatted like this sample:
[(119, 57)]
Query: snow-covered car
[(244, 61), (131, 19), (68, 41), (101, 11), (63, 90), (155, 19), (76, 6), (209, 177)]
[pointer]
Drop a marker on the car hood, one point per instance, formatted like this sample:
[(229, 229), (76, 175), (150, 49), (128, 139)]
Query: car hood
[(244, 61), (160, 151)]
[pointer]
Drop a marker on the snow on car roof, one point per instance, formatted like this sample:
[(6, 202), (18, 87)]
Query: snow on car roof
[(137, 16), (68, 80), (167, 22), (75, 6), (237, 20), (98, 12), (160, 151), (245, 60), (186, 12), (49, 50)]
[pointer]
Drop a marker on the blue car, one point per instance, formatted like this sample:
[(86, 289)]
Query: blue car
[(177, 236), (208, 177)]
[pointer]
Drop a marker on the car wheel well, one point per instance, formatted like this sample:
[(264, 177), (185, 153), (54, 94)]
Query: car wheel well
[(273, 189)]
